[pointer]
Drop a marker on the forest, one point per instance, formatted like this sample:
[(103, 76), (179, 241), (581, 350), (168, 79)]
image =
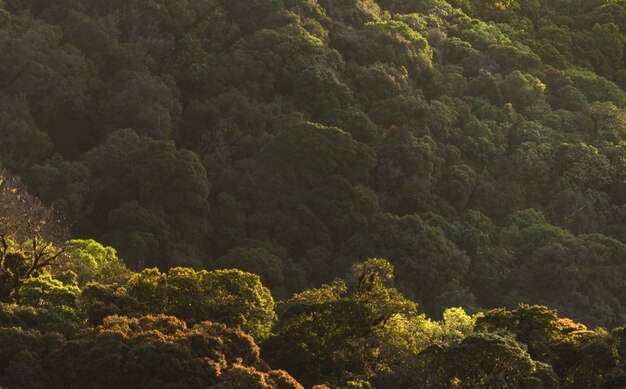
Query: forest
[(350, 194)]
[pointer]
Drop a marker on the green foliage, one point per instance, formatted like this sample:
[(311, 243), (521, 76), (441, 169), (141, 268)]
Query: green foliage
[(45, 291), (308, 153), (31, 237), (181, 134), (93, 262), (319, 329), (144, 104), (98, 301), (48, 319), (23, 144), (260, 261), (173, 203), (239, 299), (478, 146), (232, 297), (580, 357), (522, 89), (425, 259), (21, 356), (164, 351), (52, 76), (357, 385), (479, 360), (596, 88)]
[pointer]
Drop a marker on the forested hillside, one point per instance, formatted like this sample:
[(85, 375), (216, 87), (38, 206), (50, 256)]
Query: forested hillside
[(477, 147)]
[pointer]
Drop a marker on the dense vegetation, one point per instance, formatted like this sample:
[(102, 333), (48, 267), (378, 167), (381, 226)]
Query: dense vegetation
[(479, 147)]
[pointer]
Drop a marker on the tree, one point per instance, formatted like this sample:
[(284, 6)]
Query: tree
[(478, 361), (93, 262), (97, 302), (32, 236), (152, 350), (52, 75), (22, 143), (148, 106), (45, 291), (22, 354), (44, 319), (309, 153), (583, 166), (332, 334), (153, 197), (408, 170), (229, 224), (579, 276), (239, 299), (400, 44), (522, 89), (580, 357), (425, 259), (458, 185), (257, 260), (233, 297)]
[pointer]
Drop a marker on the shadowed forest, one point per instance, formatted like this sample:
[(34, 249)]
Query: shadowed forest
[(280, 194)]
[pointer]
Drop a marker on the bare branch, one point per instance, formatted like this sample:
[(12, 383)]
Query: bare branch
[(34, 233)]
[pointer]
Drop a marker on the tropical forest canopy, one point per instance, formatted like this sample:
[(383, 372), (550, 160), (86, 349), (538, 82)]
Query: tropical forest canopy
[(360, 192)]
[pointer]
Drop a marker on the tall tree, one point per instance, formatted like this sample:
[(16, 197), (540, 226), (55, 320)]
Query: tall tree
[(32, 236)]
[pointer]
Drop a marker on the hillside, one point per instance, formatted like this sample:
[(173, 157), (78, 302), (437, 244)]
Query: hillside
[(478, 147)]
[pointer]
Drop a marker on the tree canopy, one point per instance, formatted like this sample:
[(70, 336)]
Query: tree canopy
[(235, 162)]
